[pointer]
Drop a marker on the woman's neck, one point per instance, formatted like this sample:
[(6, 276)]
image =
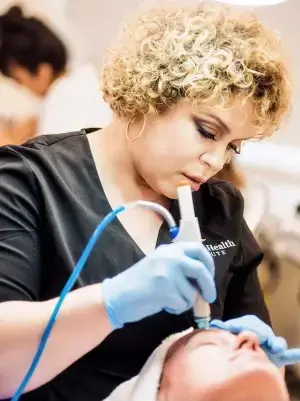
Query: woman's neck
[(113, 151)]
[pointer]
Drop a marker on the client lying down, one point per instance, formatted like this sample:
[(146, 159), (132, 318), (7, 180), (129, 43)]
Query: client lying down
[(210, 365)]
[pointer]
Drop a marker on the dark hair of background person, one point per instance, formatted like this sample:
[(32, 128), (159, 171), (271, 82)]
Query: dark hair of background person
[(28, 42)]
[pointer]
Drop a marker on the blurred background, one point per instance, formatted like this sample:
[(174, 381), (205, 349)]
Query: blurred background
[(268, 172)]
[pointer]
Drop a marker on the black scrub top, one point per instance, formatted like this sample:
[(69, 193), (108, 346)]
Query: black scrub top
[(51, 200)]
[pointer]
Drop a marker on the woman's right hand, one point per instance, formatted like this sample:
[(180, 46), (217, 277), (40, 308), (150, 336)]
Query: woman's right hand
[(169, 279)]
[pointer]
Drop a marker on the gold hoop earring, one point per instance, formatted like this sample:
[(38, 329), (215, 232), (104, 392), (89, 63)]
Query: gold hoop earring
[(140, 133)]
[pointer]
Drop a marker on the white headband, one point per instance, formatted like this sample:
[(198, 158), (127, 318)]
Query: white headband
[(145, 385)]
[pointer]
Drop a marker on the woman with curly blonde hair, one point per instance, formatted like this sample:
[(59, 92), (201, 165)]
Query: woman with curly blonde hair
[(187, 86)]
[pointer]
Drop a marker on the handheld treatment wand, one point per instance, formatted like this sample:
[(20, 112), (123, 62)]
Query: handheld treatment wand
[(189, 230)]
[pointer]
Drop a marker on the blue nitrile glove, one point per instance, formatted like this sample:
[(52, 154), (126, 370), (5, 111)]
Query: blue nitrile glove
[(275, 347), (285, 358), (168, 279)]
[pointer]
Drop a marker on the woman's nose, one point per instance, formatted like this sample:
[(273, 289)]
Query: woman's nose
[(247, 340), (214, 159)]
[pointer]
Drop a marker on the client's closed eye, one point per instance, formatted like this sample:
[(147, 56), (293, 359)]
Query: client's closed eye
[(204, 340), (206, 344)]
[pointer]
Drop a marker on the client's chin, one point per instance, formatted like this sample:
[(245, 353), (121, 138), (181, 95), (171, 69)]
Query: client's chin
[(255, 382), (259, 381)]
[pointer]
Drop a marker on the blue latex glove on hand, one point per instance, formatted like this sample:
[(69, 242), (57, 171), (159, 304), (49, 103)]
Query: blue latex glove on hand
[(285, 358), (275, 347), (169, 279)]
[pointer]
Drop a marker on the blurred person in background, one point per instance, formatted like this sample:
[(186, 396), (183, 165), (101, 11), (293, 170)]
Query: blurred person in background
[(35, 57), (15, 132)]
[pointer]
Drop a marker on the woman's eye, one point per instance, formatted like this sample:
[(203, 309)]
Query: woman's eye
[(235, 149), (205, 133)]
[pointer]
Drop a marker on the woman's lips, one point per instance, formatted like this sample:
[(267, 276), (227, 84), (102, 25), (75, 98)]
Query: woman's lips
[(195, 182)]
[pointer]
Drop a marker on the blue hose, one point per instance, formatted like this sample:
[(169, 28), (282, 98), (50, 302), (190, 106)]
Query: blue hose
[(74, 276)]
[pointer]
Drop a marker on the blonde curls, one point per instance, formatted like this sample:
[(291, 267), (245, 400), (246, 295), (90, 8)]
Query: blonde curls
[(207, 53)]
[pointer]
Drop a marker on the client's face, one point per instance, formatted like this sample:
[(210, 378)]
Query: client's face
[(215, 365)]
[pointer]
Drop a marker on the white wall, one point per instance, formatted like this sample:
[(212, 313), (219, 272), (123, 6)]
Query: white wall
[(285, 18), (278, 167)]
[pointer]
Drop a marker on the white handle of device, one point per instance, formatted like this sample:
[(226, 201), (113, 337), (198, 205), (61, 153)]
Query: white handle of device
[(189, 230)]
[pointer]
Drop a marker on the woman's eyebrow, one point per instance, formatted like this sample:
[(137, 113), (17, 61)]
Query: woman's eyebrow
[(219, 121)]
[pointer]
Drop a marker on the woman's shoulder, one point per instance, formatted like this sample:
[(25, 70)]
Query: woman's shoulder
[(54, 141), (225, 194), (219, 207), (219, 184), (45, 161)]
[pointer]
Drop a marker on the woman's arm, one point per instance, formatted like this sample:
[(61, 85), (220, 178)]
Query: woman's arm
[(81, 325), (82, 322)]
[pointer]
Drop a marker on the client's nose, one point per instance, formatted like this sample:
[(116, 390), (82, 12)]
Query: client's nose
[(247, 340)]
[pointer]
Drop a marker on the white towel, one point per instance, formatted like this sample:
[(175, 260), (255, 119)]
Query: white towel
[(144, 386)]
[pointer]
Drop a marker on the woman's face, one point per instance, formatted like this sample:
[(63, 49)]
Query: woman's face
[(188, 144), (37, 83)]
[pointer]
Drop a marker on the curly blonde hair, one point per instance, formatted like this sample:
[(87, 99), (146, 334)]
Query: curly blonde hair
[(206, 53)]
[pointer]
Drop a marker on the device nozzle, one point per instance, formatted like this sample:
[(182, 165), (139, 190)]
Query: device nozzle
[(183, 183)]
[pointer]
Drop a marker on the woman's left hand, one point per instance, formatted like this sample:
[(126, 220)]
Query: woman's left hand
[(275, 347)]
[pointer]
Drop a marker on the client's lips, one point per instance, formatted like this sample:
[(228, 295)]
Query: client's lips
[(195, 181)]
